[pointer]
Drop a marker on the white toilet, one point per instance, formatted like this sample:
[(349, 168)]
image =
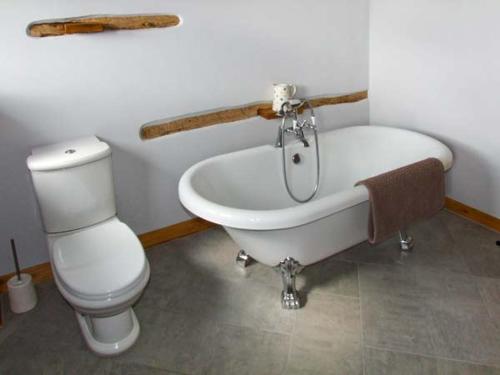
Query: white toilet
[(98, 262)]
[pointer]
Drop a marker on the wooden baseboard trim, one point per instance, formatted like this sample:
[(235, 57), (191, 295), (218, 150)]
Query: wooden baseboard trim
[(43, 272), (472, 214), (39, 273), (172, 232)]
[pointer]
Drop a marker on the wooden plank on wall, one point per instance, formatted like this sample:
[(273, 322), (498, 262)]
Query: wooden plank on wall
[(320, 101), (95, 24), (200, 120), (264, 109)]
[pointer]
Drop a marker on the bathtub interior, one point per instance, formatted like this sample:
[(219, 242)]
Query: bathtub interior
[(247, 180), (252, 179), (356, 153)]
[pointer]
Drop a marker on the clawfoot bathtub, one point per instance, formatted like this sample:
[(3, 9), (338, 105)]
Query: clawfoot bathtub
[(244, 192)]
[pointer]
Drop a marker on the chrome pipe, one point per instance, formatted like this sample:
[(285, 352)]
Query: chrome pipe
[(290, 110)]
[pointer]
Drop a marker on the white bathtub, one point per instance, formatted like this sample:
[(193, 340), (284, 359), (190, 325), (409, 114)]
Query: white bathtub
[(244, 191)]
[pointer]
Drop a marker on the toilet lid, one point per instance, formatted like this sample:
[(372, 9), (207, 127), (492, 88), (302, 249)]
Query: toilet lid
[(103, 261)]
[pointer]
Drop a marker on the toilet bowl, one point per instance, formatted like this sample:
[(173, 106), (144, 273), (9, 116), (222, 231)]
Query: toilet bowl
[(83, 263), (98, 263)]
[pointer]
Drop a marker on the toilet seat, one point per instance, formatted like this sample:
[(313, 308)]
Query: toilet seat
[(99, 263)]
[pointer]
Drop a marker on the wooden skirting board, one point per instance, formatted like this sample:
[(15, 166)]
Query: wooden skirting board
[(221, 116), (473, 214), (172, 232), (39, 273), (96, 24), (43, 272)]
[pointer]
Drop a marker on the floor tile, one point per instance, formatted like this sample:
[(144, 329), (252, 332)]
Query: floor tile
[(240, 350), (10, 320), (238, 302), (494, 313), (330, 277), (417, 282), (250, 299), (327, 316), (387, 252), (336, 356), (382, 362), (398, 324), (327, 337), (30, 355), (120, 368), (489, 289), (209, 252), (45, 320), (172, 341), (465, 332), (434, 247), (422, 311), (477, 245)]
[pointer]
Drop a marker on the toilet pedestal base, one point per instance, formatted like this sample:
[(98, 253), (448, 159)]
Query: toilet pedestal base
[(108, 336)]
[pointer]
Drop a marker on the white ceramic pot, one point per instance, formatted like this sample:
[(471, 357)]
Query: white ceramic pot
[(282, 93)]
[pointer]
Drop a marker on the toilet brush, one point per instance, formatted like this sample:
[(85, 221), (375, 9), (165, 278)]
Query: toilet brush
[(16, 261), (22, 296)]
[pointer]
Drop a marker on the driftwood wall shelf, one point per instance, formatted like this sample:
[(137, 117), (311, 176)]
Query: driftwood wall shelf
[(96, 24), (264, 109)]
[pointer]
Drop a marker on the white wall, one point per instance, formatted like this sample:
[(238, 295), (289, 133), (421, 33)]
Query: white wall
[(225, 53), (435, 67)]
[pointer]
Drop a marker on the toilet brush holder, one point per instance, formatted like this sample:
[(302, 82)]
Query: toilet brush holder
[(22, 295)]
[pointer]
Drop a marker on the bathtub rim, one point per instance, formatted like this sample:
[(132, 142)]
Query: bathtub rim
[(288, 217)]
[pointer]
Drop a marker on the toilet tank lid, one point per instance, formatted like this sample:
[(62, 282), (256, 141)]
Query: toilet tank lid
[(68, 154)]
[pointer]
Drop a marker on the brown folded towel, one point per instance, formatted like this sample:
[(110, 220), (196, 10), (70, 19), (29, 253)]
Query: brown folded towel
[(402, 196)]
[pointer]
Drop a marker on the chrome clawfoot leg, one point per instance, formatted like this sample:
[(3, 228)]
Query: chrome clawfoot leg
[(289, 269), (406, 242), (243, 259)]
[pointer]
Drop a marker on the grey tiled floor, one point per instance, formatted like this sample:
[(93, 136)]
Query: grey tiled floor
[(370, 310)]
